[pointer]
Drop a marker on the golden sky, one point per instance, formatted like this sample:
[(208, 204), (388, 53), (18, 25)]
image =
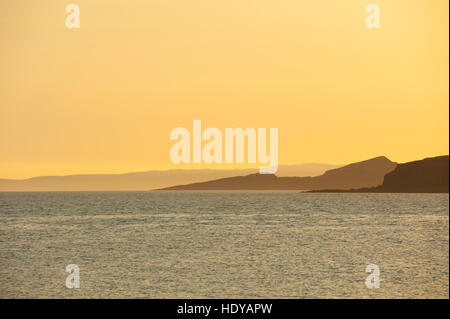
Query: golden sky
[(104, 98)]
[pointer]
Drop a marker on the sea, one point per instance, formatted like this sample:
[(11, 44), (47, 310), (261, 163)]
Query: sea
[(180, 244)]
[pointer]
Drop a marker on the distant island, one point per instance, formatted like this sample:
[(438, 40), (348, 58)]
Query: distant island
[(369, 173), (148, 180), (430, 175), (376, 175)]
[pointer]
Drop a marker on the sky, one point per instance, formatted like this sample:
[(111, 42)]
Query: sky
[(104, 98)]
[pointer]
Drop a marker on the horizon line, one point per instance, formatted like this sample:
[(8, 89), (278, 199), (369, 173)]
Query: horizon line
[(206, 169)]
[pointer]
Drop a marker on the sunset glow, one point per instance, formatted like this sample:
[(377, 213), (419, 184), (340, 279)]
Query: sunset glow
[(104, 98)]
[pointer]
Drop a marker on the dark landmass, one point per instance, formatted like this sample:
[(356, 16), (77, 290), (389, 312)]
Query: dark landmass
[(367, 173), (145, 180), (429, 175), (116, 182)]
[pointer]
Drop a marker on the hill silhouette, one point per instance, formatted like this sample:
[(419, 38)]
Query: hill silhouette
[(146, 180), (429, 175), (367, 173)]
